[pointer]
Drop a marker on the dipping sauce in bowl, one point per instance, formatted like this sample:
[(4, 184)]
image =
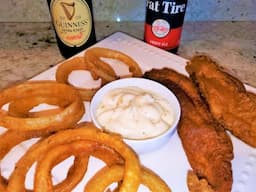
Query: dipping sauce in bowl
[(144, 112), (135, 113)]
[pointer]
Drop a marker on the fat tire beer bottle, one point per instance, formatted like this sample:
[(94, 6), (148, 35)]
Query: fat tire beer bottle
[(73, 25), (163, 23)]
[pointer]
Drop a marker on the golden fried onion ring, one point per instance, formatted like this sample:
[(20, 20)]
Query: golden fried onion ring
[(64, 119), (76, 172), (10, 139), (22, 107), (76, 63), (108, 175), (43, 181), (132, 172), (104, 70)]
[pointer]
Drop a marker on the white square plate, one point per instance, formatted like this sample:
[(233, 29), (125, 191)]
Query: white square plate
[(169, 161)]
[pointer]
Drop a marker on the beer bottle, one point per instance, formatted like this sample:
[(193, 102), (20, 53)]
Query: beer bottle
[(163, 23), (73, 25)]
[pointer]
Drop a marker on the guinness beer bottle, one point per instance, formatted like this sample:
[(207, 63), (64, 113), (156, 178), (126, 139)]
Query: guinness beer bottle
[(164, 20), (73, 25)]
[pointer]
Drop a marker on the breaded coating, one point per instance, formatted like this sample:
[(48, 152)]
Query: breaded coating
[(207, 146), (197, 185), (229, 102)]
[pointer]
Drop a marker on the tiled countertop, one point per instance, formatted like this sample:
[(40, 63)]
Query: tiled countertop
[(27, 49)]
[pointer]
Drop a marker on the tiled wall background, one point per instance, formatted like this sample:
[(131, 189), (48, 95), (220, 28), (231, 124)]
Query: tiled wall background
[(123, 10)]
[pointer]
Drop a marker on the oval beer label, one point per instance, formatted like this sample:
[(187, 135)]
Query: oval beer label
[(160, 28), (72, 21)]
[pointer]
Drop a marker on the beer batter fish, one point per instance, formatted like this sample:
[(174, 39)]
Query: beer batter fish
[(229, 102), (207, 146)]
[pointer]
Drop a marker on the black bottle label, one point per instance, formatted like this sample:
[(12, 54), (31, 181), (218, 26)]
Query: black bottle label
[(72, 20)]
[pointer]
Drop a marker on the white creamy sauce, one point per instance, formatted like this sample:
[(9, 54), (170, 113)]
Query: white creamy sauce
[(134, 113)]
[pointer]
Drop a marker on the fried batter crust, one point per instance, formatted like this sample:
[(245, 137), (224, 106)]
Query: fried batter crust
[(197, 185), (229, 102), (207, 146)]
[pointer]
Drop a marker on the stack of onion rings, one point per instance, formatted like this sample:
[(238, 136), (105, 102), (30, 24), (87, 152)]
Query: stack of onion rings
[(132, 173), (43, 180), (24, 125), (92, 62), (83, 141)]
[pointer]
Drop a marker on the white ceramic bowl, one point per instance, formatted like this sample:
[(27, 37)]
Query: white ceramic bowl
[(141, 145)]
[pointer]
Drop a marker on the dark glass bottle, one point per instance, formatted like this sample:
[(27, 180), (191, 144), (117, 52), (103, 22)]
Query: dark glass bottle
[(163, 23), (73, 25)]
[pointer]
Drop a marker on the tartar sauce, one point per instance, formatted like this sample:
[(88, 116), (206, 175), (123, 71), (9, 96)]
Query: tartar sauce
[(134, 113)]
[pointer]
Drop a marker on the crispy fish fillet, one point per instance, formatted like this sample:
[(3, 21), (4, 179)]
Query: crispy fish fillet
[(207, 146), (230, 104)]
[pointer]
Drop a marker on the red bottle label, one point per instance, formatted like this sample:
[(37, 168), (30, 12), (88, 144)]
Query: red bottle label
[(170, 37), (164, 20)]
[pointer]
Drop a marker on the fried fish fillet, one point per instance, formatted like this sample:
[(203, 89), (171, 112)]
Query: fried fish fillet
[(207, 146), (229, 102)]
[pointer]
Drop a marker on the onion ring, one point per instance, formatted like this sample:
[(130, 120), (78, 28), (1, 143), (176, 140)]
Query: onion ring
[(75, 173), (65, 119), (22, 107), (108, 175), (9, 140), (98, 67), (104, 70), (88, 131), (43, 180), (76, 63)]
